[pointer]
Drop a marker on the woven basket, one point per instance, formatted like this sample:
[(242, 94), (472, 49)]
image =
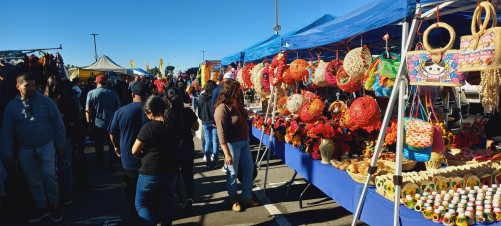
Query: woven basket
[(311, 111), (332, 70), (346, 83), (452, 162), (297, 69), (359, 178), (294, 103), (435, 161), (282, 106), (319, 76), (356, 62), (364, 112), (407, 165)]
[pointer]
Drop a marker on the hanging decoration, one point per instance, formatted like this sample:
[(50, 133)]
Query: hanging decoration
[(298, 68), (331, 71), (319, 78), (364, 112), (294, 103), (277, 68), (282, 106), (311, 111), (356, 62), (336, 109), (347, 83), (246, 75)]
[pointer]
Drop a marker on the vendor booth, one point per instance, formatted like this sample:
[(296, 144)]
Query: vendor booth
[(103, 65), (337, 124)]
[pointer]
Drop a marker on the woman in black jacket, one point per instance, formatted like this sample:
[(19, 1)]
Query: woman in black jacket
[(206, 114)]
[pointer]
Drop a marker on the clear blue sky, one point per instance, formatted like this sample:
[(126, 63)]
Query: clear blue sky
[(145, 31)]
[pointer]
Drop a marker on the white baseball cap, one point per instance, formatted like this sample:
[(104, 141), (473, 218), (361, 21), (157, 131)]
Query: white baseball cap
[(228, 75)]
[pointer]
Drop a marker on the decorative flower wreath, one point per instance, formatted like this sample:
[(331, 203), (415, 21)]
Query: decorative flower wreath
[(319, 76), (257, 82), (332, 70), (265, 79), (282, 106), (294, 103), (277, 68), (240, 79), (246, 75), (364, 112), (347, 83), (297, 69)]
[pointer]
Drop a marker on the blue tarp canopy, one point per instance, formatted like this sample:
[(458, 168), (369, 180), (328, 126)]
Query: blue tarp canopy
[(141, 72), (369, 23), (272, 46), (372, 16), (239, 56)]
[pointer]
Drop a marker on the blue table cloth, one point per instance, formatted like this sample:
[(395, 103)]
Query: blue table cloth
[(338, 185)]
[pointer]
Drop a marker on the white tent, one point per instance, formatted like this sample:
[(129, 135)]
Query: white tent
[(106, 64)]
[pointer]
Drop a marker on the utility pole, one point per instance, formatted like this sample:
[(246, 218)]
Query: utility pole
[(95, 48), (203, 56), (277, 27)]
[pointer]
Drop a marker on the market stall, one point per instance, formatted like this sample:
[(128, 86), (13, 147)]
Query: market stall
[(345, 133)]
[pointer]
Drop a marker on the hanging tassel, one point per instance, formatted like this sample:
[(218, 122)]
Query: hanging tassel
[(489, 90)]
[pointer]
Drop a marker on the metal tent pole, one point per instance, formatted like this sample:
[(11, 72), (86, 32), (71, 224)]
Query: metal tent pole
[(407, 41), (271, 137), (397, 178), (264, 129)]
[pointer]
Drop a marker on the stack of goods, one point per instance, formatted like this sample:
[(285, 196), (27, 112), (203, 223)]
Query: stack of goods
[(468, 206), (468, 156), (357, 167), (484, 173)]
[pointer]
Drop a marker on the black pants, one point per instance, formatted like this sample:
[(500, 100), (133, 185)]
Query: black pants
[(130, 177), (100, 137), (187, 155)]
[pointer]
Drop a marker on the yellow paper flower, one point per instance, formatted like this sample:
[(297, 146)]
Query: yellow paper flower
[(390, 189), (410, 191), (472, 183), (443, 185)]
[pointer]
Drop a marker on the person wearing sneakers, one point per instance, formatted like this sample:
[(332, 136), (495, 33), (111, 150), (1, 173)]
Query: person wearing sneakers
[(233, 132), (34, 121), (206, 114)]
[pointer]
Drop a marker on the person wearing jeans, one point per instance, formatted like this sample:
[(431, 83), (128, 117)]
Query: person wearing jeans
[(157, 144), (64, 169), (206, 114), (147, 194), (233, 132), (211, 144), (123, 129), (34, 121)]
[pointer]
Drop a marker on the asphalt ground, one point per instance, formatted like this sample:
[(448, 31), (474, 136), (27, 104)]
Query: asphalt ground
[(103, 201)]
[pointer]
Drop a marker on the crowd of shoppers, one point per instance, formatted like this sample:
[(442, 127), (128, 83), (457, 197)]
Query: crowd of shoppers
[(144, 123)]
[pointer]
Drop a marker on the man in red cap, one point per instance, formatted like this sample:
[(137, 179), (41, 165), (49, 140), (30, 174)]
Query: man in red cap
[(99, 109)]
